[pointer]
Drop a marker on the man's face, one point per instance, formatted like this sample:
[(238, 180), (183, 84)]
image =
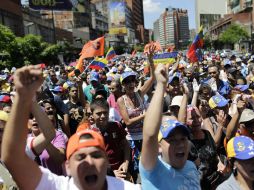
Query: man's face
[(73, 92), (213, 72), (175, 149), (53, 77), (100, 116), (88, 167), (246, 168)]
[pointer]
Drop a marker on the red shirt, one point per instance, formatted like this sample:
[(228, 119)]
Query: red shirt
[(113, 137)]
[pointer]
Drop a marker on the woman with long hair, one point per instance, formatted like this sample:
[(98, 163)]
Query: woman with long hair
[(132, 108)]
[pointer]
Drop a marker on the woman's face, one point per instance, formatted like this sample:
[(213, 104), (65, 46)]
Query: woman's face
[(129, 84), (33, 125)]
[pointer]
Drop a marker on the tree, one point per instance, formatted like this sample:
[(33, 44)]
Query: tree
[(233, 34)]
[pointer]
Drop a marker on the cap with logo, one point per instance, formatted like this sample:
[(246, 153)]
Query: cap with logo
[(76, 142), (241, 147), (168, 126), (217, 101)]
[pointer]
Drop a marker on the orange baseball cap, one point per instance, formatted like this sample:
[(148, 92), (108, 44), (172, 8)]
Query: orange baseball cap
[(75, 143)]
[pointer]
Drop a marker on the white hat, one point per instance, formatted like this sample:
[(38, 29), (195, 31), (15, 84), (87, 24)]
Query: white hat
[(176, 101), (247, 115), (238, 59)]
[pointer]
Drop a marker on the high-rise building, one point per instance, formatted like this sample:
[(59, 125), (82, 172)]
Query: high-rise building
[(136, 7), (11, 16), (172, 28), (208, 12), (156, 30), (102, 6)]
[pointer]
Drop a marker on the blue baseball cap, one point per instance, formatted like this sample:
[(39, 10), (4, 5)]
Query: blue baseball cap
[(58, 89), (94, 76), (171, 78), (110, 78), (242, 88), (241, 147), (227, 62), (217, 101), (168, 126), (125, 75)]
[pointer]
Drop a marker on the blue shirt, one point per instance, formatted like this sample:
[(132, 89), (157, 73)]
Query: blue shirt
[(223, 88), (165, 177)]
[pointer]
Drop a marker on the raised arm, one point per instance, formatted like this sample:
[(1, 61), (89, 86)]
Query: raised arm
[(233, 124), (123, 111), (148, 84), (182, 115), (25, 171), (152, 121), (47, 129)]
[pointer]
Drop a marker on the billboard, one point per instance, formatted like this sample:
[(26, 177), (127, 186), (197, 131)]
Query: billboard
[(68, 5), (117, 19)]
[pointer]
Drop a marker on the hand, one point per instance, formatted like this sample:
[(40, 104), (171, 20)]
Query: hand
[(124, 167), (195, 85), (151, 52), (185, 89), (204, 109), (213, 85), (221, 118), (161, 74), (27, 80), (241, 106), (120, 174)]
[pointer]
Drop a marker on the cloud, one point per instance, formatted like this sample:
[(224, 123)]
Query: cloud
[(151, 6)]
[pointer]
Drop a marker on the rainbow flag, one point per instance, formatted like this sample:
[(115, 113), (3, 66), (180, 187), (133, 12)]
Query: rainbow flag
[(197, 44), (111, 54), (98, 63)]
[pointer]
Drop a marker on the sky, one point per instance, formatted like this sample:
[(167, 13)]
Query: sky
[(154, 8)]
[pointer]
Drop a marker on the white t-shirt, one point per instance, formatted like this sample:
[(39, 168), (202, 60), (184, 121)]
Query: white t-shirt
[(51, 181)]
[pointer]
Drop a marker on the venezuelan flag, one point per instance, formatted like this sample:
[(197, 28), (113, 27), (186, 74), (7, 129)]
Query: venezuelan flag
[(193, 53), (111, 54), (98, 63)]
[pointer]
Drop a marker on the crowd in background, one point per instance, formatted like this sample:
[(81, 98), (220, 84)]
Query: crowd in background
[(130, 125)]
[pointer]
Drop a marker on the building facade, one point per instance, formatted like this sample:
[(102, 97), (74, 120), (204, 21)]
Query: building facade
[(208, 12), (11, 16), (172, 28), (241, 13)]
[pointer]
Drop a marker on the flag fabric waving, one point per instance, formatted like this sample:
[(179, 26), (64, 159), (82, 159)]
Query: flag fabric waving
[(79, 66), (93, 48), (98, 63), (111, 54), (198, 43)]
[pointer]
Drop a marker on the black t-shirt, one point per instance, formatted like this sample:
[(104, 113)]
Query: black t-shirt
[(75, 116)]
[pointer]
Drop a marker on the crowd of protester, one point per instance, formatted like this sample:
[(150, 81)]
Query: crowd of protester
[(131, 125)]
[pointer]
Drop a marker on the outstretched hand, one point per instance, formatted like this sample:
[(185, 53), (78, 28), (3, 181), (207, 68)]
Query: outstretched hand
[(151, 53), (27, 80), (161, 74)]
